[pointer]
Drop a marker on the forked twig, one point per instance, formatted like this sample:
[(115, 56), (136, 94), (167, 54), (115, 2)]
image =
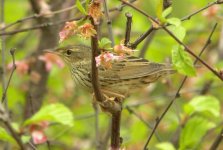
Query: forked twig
[(186, 48)]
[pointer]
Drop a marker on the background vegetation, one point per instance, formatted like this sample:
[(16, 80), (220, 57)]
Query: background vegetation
[(194, 121)]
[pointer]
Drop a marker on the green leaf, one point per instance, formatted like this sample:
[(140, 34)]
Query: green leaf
[(87, 4), (4, 136), (53, 112), (182, 62), (193, 132), (178, 31), (80, 7), (175, 21), (105, 43), (159, 11), (206, 105), (165, 146), (166, 12), (26, 138)]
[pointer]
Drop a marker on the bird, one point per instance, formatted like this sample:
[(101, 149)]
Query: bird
[(122, 79)]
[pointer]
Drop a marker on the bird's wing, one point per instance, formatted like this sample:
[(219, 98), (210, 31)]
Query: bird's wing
[(133, 67)]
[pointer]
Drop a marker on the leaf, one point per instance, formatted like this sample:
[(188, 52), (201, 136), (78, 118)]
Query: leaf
[(80, 7), (54, 112), (182, 62), (206, 105), (178, 31), (25, 138), (159, 11), (175, 21), (4, 136), (87, 5), (105, 43), (166, 12), (165, 146), (193, 132)]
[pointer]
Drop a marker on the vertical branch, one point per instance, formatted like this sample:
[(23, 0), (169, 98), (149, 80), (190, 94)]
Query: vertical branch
[(109, 23), (128, 28), (95, 106), (94, 70), (2, 22), (115, 130)]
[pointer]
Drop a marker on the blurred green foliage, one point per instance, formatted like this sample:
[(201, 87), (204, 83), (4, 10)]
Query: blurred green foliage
[(186, 124)]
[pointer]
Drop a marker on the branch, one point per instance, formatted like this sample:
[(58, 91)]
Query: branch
[(114, 110), (199, 10), (12, 52), (128, 28), (142, 37), (146, 44), (115, 130), (158, 120), (166, 4), (14, 135), (131, 111), (186, 48), (109, 24), (94, 70), (4, 117), (43, 25), (217, 141)]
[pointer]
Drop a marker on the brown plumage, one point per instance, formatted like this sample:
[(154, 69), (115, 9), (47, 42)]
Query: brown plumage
[(125, 76)]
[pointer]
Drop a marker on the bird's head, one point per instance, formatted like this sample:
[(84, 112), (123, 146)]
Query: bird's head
[(75, 54)]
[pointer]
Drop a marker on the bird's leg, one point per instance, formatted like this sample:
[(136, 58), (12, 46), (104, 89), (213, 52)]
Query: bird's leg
[(112, 94), (109, 104)]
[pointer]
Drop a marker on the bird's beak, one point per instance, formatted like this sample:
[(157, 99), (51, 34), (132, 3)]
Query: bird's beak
[(51, 51)]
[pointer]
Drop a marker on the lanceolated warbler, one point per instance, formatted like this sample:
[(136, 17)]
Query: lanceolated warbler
[(123, 78)]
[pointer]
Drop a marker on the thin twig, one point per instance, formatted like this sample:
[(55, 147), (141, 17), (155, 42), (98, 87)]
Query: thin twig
[(48, 145), (158, 120), (96, 115), (166, 4), (19, 21), (131, 111), (142, 37), (35, 16), (198, 11), (14, 134), (217, 141), (119, 8), (128, 28), (38, 26), (109, 23), (186, 48), (12, 52), (146, 44)]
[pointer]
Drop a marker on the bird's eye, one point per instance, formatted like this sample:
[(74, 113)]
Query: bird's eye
[(68, 52)]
